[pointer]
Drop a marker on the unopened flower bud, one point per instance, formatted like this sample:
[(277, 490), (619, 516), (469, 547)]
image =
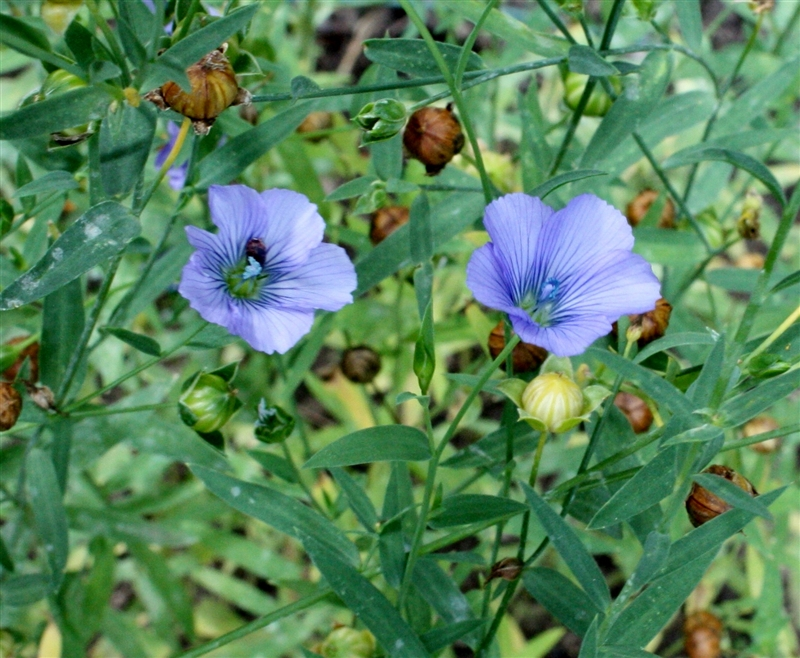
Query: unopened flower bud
[(552, 398), (761, 6), (372, 199), (651, 325), (315, 122), (10, 406), (749, 225), (508, 568), (214, 88), (381, 120), (762, 425), (13, 355), (361, 364), (636, 411), (526, 357), (599, 102), (386, 221), (702, 505), (433, 136), (646, 9), (701, 635), (208, 401), (344, 642), (637, 209), (273, 424)]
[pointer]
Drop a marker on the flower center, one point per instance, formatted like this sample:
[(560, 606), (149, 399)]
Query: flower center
[(540, 306), (245, 279)]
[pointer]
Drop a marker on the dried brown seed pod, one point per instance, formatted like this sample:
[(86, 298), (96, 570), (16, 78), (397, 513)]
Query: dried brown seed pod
[(760, 425), (636, 411), (315, 122), (42, 396), (214, 89), (361, 364), (526, 357), (386, 221), (638, 208), (508, 568), (701, 634), (31, 352), (702, 505), (647, 327), (10, 406), (433, 136)]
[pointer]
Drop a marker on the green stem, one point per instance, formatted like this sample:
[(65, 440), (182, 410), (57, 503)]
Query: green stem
[(537, 458), (113, 411), (788, 31), (430, 480), (299, 477), (187, 20), (553, 16), (466, 49), (488, 191), (577, 114), (758, 438)]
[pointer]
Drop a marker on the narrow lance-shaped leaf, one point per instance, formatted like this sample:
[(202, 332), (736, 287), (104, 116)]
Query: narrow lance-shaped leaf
[(101, 232), (367, 602), (72, 108), (413, 56), (374, 444), (570, 548), (48, 512)]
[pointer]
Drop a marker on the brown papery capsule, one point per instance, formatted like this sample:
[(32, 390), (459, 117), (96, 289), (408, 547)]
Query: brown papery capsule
[(638, 208), (433, 136), (214, 89), (31, 353), (761, 425), (636, 411), (702, 505), (650, 326), (526, 357), (508, 568), (361, 364), (701, 635), (386, 221), (10, 406)]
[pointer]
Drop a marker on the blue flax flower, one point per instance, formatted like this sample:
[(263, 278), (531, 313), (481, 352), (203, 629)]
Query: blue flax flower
[(563, 277), (266, 270)]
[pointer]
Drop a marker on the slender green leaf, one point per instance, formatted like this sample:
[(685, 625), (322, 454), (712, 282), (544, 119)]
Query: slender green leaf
[(619, 651), (462, 509), (562, 179), (126, 137), (570, 548), (366, 601), (72, 108), (421, 235), (62, 324), (5, 557), (704, 152), (675, 340), (351, 189), (359, 502), (691, 22), (374, 444), (741, 408), (412, 56), (187, 51), (101, 232), (656, 552), (51, 182), (651, 484), (703, 387), (138, 342), (226, 163), (654, 385), (441, 592), (701, 434), (48, 512), (26, 39), (586, 60), (491, 449), (562, 598), (787, 282), (732, 494), (278, 510), (19, 591), (637, 101), (275, 465), (443, 636)]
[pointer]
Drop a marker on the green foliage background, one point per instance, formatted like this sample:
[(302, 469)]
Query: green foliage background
[(111, 546)]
